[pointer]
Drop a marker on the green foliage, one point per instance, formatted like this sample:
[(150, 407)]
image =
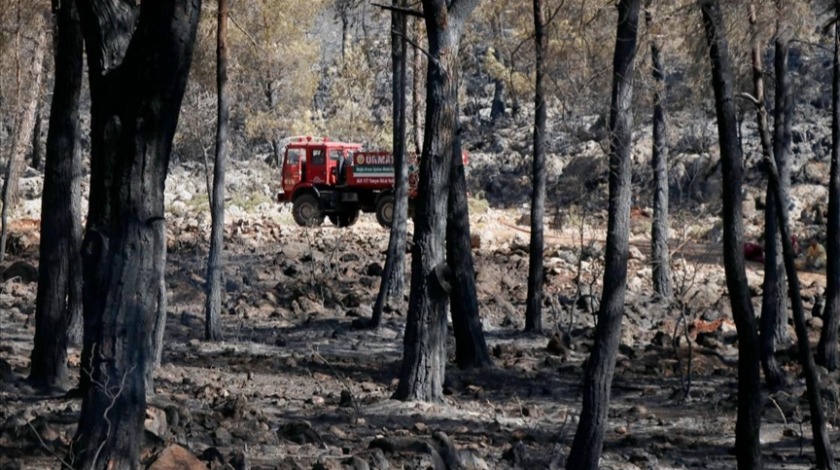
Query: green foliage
[(353, 98)]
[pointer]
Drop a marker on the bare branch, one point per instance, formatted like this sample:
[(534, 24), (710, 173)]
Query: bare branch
[(752, 99), (407, 11), (416, 46), (246, 33)]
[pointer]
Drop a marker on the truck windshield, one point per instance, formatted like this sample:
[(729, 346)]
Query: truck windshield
[(335, 155), (292, 156)]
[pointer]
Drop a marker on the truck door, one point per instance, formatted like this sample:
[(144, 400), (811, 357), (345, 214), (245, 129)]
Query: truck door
[(316, 166), (334, 165), (291, 169)]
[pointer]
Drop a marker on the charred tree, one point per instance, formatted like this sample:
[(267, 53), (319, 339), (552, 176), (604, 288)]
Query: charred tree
[(470, 346), (661, 255), (533, 309), (393, 274), (589, 437), (424, 356), (747, 427), (827, 349), (213, 305), (774, 301), (822, 444), (59, 300), (37, 148), (139, 59), (416, 83)]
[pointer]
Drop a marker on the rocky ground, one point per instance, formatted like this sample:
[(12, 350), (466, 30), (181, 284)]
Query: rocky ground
[(294, 386)]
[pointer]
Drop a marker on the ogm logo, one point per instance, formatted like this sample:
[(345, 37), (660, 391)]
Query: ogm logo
[(360, 159)]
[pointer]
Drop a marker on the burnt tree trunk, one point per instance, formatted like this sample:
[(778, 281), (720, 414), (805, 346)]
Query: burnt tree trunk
[(782, 122), (58, 300), (416, 108), (37, 148), (747, 427), (827, 349), (589, 438), (822, 444), (393, 274), (774, 301), (424, 356), (22, 138), (661, 256), (470, 346), (213, 305), (139, 59), (533, 303)]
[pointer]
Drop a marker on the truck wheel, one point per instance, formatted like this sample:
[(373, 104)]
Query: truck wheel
[(385, 210), (345, 219), (307, 212)]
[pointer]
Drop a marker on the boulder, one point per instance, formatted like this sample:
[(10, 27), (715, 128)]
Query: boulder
[(175, 457), (24, 272)]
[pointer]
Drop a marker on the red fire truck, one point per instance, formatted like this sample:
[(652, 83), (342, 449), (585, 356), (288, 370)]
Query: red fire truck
[(338, 180)]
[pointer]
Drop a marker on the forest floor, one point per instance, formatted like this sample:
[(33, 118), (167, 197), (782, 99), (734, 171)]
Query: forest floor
[(293, 385)]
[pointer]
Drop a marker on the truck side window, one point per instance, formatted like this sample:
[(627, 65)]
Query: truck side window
[(292, 156), (317, 157), (335, 155)]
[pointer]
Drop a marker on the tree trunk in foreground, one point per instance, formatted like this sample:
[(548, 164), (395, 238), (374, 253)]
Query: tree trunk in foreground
[(533, 309), (661, 255), (470, 346), (424, 356), (393, 275), (61, 223), (213, 305), (139, 59), (747, 427), (589, 438), (827, 354)]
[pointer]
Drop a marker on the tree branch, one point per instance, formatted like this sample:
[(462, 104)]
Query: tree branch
[(246, 33), (407, 11), (752, 99), (416, 46)]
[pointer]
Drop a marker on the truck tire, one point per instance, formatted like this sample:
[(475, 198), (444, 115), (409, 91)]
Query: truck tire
[(385, 210), (307, 211), (345, 219)]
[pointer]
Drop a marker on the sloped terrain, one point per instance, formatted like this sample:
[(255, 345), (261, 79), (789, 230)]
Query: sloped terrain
[(294, 386)]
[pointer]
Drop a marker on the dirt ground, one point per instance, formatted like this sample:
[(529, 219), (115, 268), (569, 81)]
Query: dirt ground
[(294, 386)]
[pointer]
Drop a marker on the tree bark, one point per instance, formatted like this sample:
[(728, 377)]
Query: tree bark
[(533, 309), (589, 438), (58, 300), (661, 256), (470, 346), (416, 108), (747, 427), (822, 444), (213, 304), (139, 59), (424, 356), (393, 274), (23, 137), (827, 354), (774, 301), (37, 148)]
